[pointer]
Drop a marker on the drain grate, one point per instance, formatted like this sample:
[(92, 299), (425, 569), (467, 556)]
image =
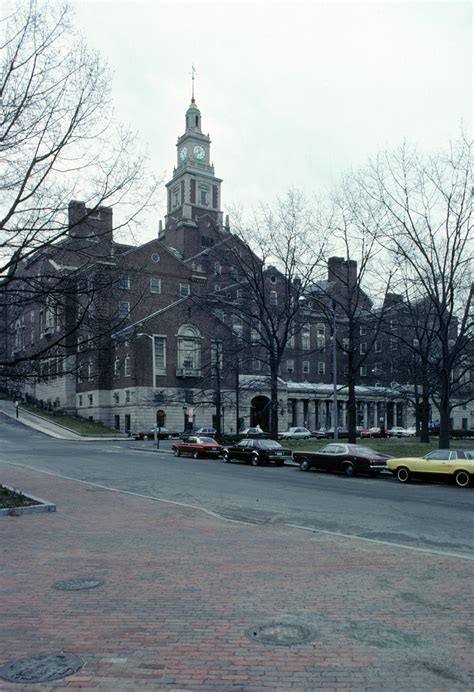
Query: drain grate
[(281, 634), (41, 668), (77, 584)]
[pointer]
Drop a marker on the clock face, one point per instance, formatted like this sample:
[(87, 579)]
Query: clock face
[(199, 152), (183, 154)]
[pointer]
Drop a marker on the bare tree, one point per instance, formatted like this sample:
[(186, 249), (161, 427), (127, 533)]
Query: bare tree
[(267, 268), (354, 318), (58, 142), (422, 213)]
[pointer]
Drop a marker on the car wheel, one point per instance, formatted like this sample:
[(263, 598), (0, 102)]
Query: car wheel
[(226, 457), (255, 460), (349, 469), (403, 474), (195, 454), (304, 464), (462, 478), (177, 452)]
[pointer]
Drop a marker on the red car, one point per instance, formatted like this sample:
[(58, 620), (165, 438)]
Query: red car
[(374, 432), (198, 447)]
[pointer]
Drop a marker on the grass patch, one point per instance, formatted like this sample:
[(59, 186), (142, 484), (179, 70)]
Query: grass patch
[(396, 447), (73, 423)]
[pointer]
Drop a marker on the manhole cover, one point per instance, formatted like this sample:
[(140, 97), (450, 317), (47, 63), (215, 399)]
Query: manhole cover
[(280, 634), (40, 668), (77, 584)]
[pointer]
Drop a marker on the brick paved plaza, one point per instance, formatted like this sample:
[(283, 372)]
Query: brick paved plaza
[(184, 591)]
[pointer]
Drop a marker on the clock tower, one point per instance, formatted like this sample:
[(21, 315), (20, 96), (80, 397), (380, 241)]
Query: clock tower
[(194, 216)]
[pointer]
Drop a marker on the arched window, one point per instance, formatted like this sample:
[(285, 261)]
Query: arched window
[(189, 348)]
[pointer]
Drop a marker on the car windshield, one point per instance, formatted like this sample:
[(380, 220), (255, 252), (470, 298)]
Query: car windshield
[(269, 444)]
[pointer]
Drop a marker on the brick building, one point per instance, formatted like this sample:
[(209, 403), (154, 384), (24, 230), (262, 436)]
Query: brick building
[(133, 335)]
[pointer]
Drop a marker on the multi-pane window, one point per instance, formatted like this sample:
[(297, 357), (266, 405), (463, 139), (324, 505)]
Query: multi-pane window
[(363, 370), (254, 330), (184, 289), (363, 347), (321, 367), (321, 329), (80, 399), (321, 343), (189, 348), (155, 284), (362, 330), (159, 355), (291, 341), (90, 371), (216, 354), (126, 366), (116, 367), (203, 195), (306, 337), (306, 367), (237, 325), (91, 399), (273, 298), (124, 309), (127, 396), (290, 365), (124, 281)]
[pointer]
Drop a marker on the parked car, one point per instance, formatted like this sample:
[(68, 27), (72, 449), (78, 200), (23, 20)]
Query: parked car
[(295, 434), (198, 447), (253, 432), (319, 434), (341, 432), (161, 433), (371, 432), (257, 452), (397, 431), (210, 432), (441, 464), (343, 458)]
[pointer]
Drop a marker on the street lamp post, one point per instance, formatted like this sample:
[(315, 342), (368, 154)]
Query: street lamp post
[(334, 373)]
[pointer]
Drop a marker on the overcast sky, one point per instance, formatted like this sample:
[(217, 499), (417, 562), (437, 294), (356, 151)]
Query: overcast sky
[(291, 93)]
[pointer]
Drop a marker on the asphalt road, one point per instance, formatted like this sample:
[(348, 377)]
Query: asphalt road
[(424, 516)]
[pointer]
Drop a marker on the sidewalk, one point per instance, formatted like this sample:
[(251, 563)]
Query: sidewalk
[(185, 594), (46, 426)]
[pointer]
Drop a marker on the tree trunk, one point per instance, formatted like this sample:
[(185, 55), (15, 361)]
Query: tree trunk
[(444, 411), (352, 409), (273, 399)]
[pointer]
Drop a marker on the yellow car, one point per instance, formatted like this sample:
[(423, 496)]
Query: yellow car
[(440, 464)]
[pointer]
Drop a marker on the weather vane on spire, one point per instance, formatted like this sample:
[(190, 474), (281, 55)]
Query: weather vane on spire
[(193, 72)]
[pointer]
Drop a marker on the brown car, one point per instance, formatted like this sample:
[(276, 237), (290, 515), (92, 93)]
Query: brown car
[(344, 458), (198, 447)]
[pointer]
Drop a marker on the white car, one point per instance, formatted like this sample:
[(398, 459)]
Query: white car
[(295, 434), (398, 431)]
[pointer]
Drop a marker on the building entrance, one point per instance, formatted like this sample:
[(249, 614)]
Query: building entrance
[(260, 412)]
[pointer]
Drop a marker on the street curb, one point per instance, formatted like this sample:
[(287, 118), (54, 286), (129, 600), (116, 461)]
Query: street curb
[(44, 506)]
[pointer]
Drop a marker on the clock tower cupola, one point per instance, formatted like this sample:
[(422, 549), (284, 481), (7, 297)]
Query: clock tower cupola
[(194, 192)]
